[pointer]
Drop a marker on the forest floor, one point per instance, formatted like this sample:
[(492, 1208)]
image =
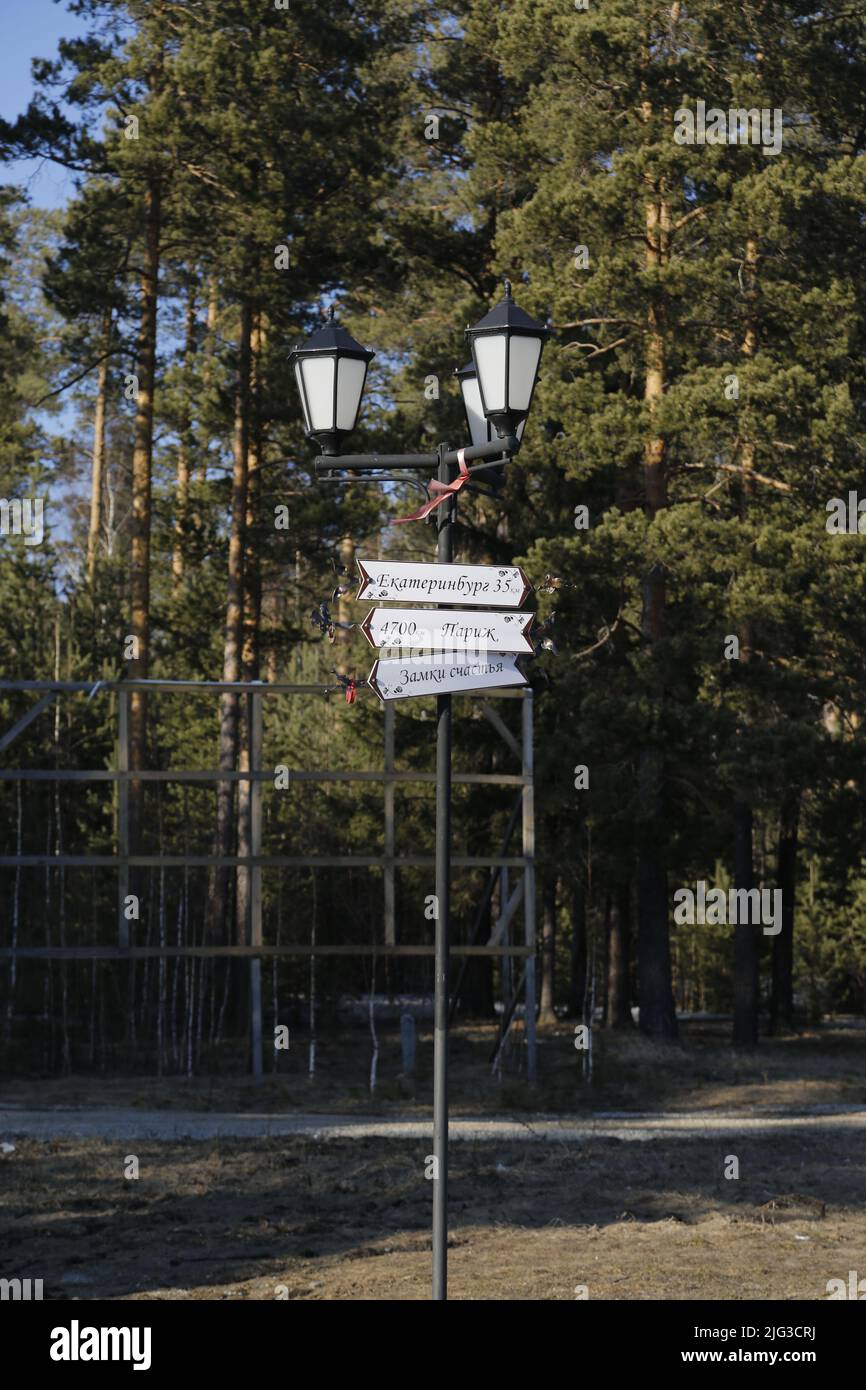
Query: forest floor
[(824, 1064), (325, 1216)]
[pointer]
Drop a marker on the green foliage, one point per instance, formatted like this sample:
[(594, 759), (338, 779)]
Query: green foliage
[(397, 159)]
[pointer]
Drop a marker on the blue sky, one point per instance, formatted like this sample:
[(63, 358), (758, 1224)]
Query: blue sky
[(31, 29)]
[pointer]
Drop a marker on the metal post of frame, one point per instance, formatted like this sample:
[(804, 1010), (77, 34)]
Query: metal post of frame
[(505, 963), (254, 725), (389, 876), (122, 816), (444, 555), (529, 885)]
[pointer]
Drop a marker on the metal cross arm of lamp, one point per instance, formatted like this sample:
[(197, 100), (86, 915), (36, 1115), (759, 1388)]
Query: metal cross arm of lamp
[(372, 463)]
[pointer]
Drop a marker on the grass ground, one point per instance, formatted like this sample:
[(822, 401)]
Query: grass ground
[(350, 1219), (825, 1065)]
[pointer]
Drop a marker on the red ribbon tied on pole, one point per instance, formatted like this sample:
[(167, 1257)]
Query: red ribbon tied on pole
[(443, 491)]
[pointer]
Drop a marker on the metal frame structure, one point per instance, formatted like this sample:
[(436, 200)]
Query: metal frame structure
[(498, 945)]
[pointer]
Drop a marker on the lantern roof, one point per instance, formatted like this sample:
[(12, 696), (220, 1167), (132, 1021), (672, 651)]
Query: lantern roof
[(331, 337), (509, 317)]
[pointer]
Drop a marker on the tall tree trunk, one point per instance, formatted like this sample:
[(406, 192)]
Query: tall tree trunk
[(782, 998), (618, 961), (184, 447), (344, 613), (97, 464), (142, 454), (746, 958), (577, 982), (815, 1003), (546, 1011), (253, 536), (218, 897), (745, 937), (478, 991), (210, 351), (605, 952), (251, 614), (657, 1012)]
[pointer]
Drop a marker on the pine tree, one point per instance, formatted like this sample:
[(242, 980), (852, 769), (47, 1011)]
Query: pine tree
[(633, 242)]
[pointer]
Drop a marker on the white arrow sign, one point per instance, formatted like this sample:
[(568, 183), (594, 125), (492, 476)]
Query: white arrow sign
[(394, 679), (502, 586), (448, 629)]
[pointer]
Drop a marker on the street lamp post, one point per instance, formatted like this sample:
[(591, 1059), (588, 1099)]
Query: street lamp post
[(444, 556), (331, 369)]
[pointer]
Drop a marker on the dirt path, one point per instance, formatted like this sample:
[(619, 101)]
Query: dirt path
[(126, 1124)]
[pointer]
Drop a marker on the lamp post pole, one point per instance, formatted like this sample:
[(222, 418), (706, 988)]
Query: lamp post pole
[(444, 555), (331, 370)]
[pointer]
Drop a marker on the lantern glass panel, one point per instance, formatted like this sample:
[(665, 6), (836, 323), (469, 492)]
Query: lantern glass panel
[(488, 349), (522, 367), (299, 378), (478, 429), (350, 384), (319, 391)]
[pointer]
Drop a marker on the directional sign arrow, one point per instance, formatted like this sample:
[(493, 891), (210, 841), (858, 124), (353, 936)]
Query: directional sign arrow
[(395, 679), (501, 586), (448, 629)]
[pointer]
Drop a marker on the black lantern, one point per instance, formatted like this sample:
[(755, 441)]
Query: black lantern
[(480, 429), (506, 350), (330, 369)]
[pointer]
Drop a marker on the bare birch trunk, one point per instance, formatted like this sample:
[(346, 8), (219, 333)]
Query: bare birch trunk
[(374, 1057), (48, 979), (16, 903), (311, 1057)]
